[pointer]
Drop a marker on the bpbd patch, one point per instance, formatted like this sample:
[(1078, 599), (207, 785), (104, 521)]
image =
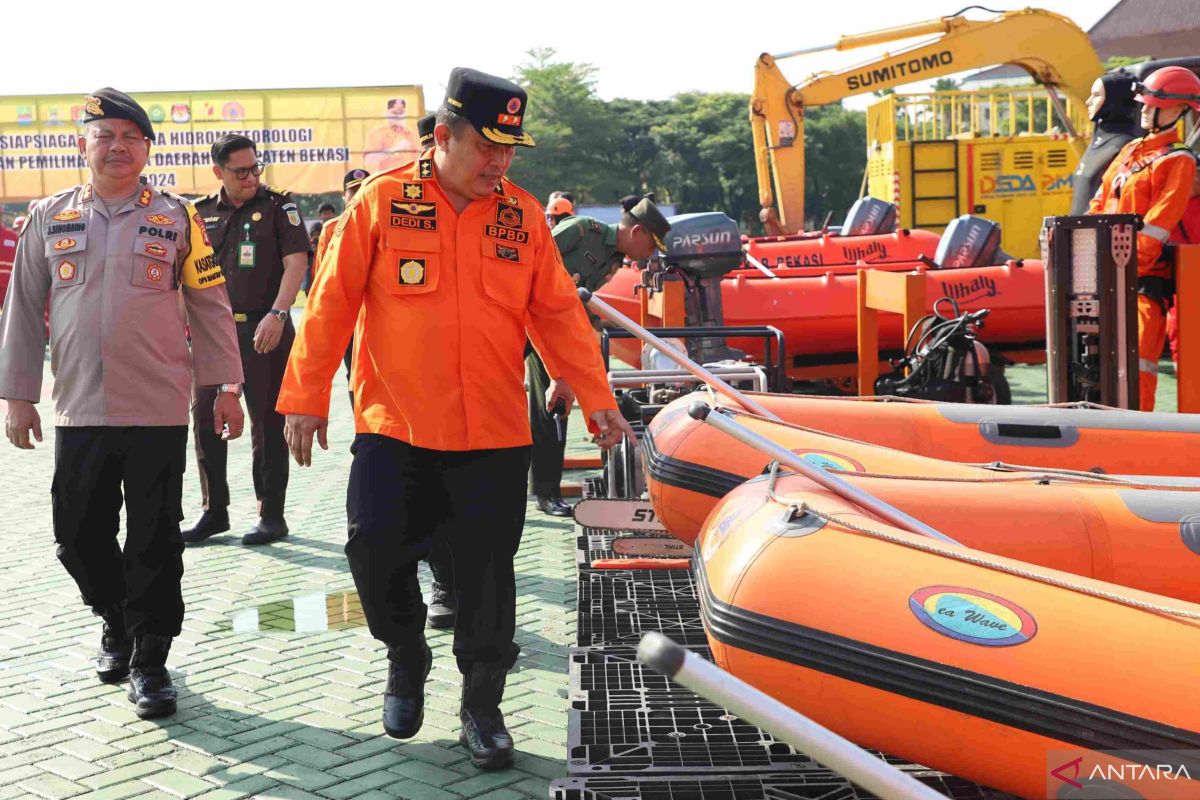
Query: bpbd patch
[(509, 216), (507, 234), (507, 253)]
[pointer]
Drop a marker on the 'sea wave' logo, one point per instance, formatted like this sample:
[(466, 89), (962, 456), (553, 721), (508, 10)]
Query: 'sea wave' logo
[(972, 616), (835, 462)]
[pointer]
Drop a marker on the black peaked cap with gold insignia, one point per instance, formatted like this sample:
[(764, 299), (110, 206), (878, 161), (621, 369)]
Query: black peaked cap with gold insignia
[(354, 177), (109, 103), (495, 107), (425, 126)]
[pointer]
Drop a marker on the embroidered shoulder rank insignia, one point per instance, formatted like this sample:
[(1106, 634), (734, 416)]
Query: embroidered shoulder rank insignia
[(425, 168), (145, 197)]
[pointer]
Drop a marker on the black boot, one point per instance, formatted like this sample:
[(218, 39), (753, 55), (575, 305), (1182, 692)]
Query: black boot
[(443, 608), (149, 682), (112, 661), (483, 731), (404, 697), (210, 523)]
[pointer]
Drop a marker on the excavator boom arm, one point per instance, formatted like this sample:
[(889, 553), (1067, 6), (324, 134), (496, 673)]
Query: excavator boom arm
[(1050, 47)]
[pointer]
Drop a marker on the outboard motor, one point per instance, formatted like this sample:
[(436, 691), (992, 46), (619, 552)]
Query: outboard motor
[(703, 248), (970, 241), (870, 216)]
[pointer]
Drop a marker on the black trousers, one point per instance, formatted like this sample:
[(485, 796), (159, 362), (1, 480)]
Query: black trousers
[(264, 375), (95, 470), (546, 468), (400, 498)]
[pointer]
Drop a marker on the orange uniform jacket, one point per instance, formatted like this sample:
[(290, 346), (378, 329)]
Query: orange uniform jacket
[(445, 298), (1151, 176)]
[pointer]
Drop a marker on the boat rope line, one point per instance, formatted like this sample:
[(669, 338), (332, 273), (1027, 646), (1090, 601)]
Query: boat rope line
[(969, 557)]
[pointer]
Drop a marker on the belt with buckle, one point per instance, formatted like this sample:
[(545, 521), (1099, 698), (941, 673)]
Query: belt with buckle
[(239, 316)]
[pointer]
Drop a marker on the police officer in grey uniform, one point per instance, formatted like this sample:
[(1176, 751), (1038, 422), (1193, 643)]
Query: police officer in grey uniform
[(114, 256)]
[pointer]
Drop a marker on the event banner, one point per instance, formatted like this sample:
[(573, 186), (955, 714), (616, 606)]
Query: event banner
[(308, 138)]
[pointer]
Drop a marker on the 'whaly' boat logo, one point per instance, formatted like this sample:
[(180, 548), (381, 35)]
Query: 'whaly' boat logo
[(972, 616)]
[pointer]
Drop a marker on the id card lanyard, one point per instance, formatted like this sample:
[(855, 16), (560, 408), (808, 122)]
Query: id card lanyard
[(246, 249)]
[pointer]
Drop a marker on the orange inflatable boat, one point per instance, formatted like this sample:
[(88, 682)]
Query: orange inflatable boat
[(817, 308), (690, 466), (1024, 678), (827, 250)]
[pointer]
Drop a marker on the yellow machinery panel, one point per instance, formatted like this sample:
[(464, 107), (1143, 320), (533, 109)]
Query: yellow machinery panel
[(994, 153)]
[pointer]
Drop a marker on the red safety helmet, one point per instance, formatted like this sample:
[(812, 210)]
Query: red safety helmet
[(1169, 86)]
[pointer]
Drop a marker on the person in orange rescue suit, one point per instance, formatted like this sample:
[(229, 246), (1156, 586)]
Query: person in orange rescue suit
[(1152, 177), (437, 267), (1186, 232)]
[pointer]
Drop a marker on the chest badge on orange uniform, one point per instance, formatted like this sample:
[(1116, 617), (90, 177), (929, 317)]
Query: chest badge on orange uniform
[(415, 216), (414, 191), (509, 216), (412, 272)]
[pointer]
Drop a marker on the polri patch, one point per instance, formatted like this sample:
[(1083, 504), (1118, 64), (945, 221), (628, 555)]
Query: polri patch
[(64, 244), (509, 216), (507, 253), (412, 271), (66, 271), (70, 215), (158, 219), (154, 273), (156, 250)]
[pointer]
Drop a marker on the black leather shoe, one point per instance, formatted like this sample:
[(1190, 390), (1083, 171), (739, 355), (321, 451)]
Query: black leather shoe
[(554, 506), (266, 531), (483, 732), (210, 523), (112, 661), (404, 697), (443, 609), (150, 688)]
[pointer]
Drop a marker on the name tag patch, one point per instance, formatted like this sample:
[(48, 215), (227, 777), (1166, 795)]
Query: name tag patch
[(415, 216)]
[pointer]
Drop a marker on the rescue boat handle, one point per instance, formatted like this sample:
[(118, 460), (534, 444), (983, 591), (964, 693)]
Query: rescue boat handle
[(786, 724), (608, 312), (702, 412)]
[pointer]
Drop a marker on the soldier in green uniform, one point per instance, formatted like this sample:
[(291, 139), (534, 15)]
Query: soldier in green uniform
[(591, 251)]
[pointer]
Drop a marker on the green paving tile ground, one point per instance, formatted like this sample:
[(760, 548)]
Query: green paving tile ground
[(1028, 385), (271, 713)]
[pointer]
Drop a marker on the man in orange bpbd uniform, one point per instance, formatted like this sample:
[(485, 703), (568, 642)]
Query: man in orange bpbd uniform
[(441, 262), (1152, 177)]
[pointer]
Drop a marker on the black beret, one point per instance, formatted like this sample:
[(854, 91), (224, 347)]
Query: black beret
[(108, 103), (495, 107), (425, 126), (354, 177)]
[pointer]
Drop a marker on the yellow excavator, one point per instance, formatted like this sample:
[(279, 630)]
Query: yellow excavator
[(1050, 47)]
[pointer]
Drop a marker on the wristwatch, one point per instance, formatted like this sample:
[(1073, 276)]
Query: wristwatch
[(234, 389), (280, 314)]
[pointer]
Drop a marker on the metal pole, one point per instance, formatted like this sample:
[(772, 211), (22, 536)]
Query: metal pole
[(1060, 108), (758, 265), (605, 310), (844, 489), (841, 755)]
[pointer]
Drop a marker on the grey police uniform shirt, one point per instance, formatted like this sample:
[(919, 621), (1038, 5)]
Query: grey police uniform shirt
[(118, 345)]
